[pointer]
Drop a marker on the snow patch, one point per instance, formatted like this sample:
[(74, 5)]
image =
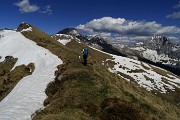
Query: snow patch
[(152, 55), (64, 41), (27, 29), (146, 78), (139, 43), (174, 49), (64, 35)]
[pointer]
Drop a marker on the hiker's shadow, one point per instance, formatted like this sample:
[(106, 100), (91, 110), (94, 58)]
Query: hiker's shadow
[(83, 63)]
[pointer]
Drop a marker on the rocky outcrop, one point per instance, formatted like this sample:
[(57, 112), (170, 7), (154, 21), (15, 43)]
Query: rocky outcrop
[(69, 31), (162, 45)]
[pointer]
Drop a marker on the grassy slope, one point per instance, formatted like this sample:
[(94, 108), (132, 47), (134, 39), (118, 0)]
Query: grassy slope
[(92, 92), (171, 96)]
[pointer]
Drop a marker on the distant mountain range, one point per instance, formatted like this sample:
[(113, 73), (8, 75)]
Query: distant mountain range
[(165, 51), (157, 50)]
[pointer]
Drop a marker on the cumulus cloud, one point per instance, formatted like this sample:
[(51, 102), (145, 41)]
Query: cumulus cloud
[(125, 27), (104, 34), (120, 30), (25, 7), (46, 9), (175, 15), (174, 39), (128, 40), (177, 6)]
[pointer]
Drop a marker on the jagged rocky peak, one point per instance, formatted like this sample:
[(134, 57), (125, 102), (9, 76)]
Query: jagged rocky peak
[(158, 40), (69, 31), (98, 39), (161, 39), (24, 27)]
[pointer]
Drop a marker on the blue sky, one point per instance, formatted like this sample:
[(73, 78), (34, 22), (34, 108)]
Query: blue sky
[(121, 18)]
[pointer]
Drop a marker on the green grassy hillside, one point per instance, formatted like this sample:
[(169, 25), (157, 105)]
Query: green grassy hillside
[(92, 92)]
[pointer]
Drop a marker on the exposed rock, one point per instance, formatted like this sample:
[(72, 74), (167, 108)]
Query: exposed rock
[(69, 31)]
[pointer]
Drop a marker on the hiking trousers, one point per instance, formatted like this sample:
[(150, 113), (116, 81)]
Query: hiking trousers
[(85, 59)]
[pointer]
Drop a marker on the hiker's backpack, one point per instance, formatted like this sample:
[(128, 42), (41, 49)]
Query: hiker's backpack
[(85, 51)]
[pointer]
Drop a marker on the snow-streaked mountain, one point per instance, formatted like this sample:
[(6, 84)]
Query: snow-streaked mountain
[(29, 94), (95, 41), (159, 49), (145, 75)]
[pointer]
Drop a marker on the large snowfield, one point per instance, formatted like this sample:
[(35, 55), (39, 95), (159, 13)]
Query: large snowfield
[(29, 94)]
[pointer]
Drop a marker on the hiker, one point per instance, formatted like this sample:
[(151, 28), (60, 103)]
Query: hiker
[(85, 56)]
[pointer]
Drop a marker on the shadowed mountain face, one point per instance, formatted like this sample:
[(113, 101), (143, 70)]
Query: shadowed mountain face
[(69, 31), (95, 41)]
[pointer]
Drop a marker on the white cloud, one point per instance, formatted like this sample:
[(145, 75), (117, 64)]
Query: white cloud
[(25, 7), (125, 27), (139, 38), (177, 6), (174, 39), (84, 29), (175, 15), (46, 9), (104, 34), (126, 39), (120, 30)]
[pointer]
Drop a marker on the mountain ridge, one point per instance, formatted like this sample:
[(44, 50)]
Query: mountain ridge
[(92, 92), (158, 47)]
